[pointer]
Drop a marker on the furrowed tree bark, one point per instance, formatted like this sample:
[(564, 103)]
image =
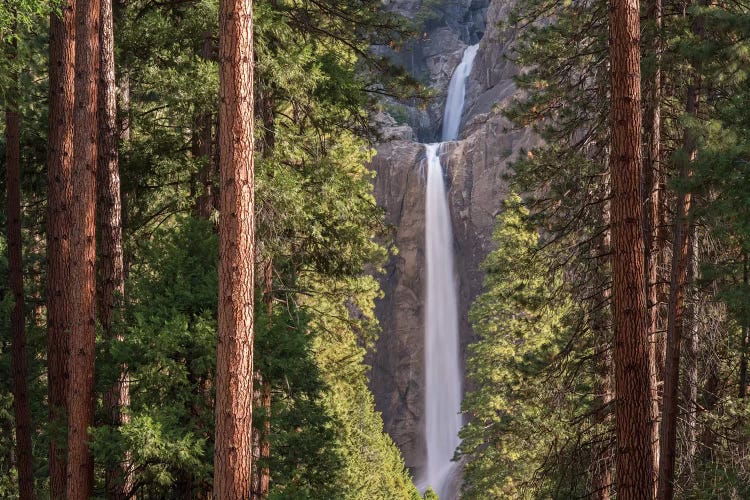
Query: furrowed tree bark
[(651, 178), (21, 403), (234, 364), (689, 391), (59, 167), (675, 308), (82, 284), (668, 438), (111, 278), (633, 420)]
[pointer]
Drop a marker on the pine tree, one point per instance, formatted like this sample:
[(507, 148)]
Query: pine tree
[(633, 410), (234, 358), (82, 285), (59, 169), (521, 319), (21, 404), (111, 273)]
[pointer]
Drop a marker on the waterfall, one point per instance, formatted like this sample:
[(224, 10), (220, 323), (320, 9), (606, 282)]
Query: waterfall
[(454, 102), (443, 375)]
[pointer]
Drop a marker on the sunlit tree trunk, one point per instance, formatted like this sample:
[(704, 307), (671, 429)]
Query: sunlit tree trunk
[(633, 419), (82, 285), (234, 364)]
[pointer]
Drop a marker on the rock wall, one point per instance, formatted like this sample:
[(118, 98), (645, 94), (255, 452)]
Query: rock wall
[(476, 168)]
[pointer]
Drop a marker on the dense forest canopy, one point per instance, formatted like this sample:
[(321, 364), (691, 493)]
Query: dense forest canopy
[(192, 250)]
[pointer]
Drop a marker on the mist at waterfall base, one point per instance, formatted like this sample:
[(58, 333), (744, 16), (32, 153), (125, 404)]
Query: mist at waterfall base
[(443, 375)]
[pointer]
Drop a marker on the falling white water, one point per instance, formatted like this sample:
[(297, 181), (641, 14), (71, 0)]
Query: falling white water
[(443, 376), (454, 103), (443, 370)]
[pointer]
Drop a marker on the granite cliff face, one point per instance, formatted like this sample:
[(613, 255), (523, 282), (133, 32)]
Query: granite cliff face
[(476, 167)]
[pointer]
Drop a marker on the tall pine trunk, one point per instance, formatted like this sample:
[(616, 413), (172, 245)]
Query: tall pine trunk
[(264, 110), (82, 286), (651, 178), (262, 399), (689, 391), (745, 340), (675, 306), (234, 363), (59, 167), (21, 403), (633, 419), (675, 327), (111, 283)]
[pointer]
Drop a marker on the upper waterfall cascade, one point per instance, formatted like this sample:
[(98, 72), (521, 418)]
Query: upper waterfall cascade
[(454, 102), (443, 374)]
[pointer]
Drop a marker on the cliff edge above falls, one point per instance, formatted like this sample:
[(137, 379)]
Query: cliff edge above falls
[(476, 167)]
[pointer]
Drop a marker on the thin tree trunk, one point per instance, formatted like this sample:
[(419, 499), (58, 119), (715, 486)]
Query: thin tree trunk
[(262, 399), (59, 167), (203, 147), (111, 285), (745, 341), (264, 108), (21, 403), (265, 446), (690, 373), (633, 418), (675, 310), (650, 192), (261, 446), (256, 436), (234, 364), (675, 321), (82, 284), (601, 466)]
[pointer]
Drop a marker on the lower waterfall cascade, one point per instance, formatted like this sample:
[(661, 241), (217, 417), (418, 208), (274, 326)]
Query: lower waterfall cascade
[(443, 372)]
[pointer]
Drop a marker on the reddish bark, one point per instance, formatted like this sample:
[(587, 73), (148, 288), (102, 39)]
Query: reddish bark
[(111, 282), (82, 285), (234, 364), (675, 308), (59, 166), (651, 178), (633, 419)]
